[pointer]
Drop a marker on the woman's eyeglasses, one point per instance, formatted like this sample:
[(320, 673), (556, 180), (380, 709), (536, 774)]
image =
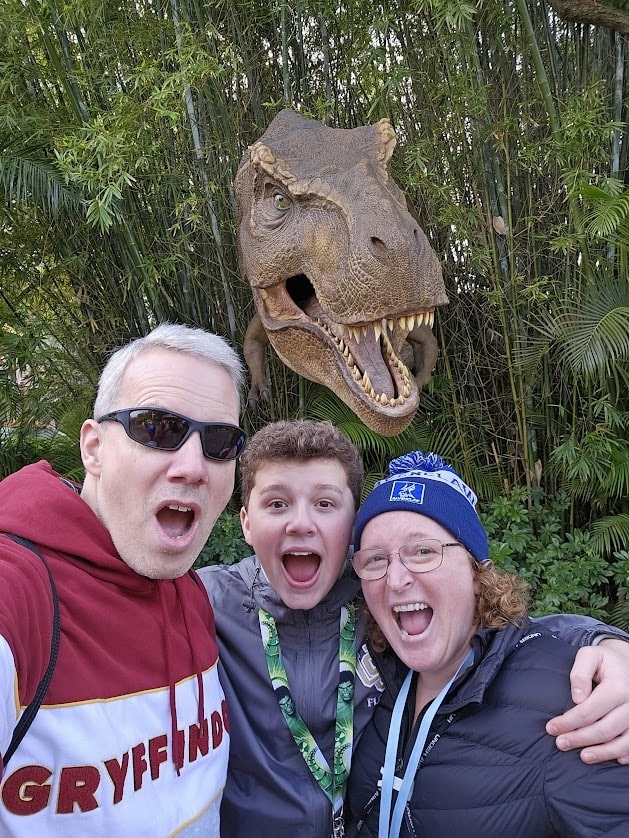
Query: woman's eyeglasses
[(167, 431), (416, 556)]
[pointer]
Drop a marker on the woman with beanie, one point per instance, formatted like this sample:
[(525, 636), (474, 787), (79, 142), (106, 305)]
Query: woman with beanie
[(457, 746)]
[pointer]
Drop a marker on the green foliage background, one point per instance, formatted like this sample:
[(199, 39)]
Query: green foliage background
[(121, 128)]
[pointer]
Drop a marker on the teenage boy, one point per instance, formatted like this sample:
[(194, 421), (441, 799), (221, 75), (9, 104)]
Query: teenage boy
[(292, 643)]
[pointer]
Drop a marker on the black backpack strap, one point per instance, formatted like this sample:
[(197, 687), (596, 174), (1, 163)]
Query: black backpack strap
[(29, 714)]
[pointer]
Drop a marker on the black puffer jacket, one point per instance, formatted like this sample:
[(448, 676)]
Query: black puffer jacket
[(489, 769)]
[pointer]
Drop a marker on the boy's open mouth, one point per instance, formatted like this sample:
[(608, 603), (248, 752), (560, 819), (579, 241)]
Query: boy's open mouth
[(413, 618), (301, 566)]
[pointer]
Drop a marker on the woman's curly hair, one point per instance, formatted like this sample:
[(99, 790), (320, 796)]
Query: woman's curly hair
[(502, 600)]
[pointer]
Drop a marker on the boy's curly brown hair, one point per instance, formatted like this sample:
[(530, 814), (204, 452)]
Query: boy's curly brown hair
[(300, 439)]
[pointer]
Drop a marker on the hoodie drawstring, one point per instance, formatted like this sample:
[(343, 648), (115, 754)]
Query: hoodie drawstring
[(177, 746), (177, 754), (251, 604), (195, 660)]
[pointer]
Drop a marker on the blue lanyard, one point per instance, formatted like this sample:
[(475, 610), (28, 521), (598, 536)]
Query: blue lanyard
[(389, 780)]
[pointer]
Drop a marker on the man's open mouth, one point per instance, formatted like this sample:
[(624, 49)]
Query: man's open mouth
[(175, 520)]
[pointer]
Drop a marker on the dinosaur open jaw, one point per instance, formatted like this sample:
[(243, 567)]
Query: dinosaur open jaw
[(367, 348), (354, 342)]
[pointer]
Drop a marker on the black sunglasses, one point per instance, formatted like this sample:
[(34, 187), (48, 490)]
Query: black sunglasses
[(167, 431)]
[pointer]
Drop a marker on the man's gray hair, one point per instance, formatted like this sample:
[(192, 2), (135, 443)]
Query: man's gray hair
[(185, 339)]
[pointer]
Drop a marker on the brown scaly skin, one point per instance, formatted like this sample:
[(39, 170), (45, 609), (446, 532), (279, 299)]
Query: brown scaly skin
[(597, 12), (343, 276)]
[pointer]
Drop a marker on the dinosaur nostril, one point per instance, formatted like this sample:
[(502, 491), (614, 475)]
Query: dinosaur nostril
[(378, 245)]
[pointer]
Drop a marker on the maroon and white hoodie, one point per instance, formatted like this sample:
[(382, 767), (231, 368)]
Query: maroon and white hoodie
[(132, 736)]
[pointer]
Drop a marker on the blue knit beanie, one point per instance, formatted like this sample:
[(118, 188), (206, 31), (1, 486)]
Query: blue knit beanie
[(424, 483)]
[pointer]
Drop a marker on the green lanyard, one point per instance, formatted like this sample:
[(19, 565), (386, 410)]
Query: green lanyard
[(331, 782)]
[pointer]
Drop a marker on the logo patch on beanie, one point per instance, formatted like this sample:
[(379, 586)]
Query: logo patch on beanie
[(407, 491)]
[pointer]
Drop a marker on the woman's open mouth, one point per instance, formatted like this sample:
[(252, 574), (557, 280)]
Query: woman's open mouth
[(413, 618)]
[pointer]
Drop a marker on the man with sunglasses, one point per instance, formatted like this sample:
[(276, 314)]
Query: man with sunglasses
[(132, 736)]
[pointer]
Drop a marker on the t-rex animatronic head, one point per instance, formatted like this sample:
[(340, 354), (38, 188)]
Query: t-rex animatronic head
[(343, 277)]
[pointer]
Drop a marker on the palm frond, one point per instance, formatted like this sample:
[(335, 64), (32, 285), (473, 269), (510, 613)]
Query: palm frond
[(619, 615), (608, 208), (611, 533), (616, 485), (593, 335), (28, 175), (324, 405)]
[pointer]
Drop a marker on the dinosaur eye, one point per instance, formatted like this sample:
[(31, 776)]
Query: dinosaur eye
[(280, 201)]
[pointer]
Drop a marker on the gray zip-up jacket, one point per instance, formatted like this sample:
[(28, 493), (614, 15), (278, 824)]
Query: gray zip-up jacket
[(270, 792)]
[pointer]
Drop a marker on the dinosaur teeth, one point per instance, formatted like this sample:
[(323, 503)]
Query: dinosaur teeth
[(408, 322), (394, 358), (383, 332)]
